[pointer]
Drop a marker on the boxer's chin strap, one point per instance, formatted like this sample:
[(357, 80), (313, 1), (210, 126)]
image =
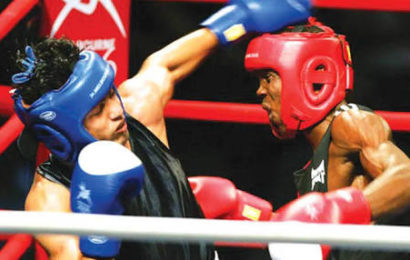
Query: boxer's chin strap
[(119, 97), (293, 133), (298, 128), (27, 144)]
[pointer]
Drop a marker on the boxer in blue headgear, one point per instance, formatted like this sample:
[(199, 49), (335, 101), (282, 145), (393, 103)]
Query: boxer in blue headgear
[(57, 117)]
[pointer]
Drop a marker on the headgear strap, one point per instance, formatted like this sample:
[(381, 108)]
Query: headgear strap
[(30, 64)]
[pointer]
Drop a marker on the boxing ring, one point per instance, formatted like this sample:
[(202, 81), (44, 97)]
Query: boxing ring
[(17, 228)]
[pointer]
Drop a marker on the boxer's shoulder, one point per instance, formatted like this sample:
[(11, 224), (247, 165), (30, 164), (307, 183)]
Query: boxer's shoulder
[(45, 195), (355, 129), (142, 95)]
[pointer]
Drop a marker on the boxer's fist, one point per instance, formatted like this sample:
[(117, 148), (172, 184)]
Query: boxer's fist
[(345, 206), (242, 16), (219, 199), (106, 173)]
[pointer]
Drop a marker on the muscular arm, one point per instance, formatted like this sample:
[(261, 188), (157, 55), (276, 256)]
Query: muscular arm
[(48, 196), (370, 136), (146, 94)]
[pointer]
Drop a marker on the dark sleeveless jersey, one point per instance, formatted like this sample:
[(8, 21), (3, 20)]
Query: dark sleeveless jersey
[(313, 177), (166, 193)]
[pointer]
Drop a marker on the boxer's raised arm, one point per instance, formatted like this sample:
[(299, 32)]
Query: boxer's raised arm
[(146, 94)]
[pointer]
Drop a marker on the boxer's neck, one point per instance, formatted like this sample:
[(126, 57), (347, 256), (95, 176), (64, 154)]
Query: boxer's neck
[(315, 134)]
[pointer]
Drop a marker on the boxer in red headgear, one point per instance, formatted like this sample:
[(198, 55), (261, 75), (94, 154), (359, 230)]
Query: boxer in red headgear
[(357, 174), (315, 69)]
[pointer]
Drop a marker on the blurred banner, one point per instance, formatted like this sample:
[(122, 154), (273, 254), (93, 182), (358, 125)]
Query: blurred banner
[(98, 25)]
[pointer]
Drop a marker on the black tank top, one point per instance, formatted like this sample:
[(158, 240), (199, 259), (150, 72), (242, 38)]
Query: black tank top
[(313, 177), (166, 193)]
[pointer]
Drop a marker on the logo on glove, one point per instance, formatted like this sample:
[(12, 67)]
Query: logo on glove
[(98, 239), (84, 202)]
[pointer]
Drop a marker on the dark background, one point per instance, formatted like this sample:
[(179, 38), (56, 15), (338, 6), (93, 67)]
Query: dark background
[(247, 154)]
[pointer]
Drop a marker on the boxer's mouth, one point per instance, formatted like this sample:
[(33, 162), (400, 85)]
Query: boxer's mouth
[(121, 127)]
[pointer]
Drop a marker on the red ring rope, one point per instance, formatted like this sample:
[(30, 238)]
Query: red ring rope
[(10, 131), (253, 113), (6, 103), (13, 14), (381, 5), (216, 111)]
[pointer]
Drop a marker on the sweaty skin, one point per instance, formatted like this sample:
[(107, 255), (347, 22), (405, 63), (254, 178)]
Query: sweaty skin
[(144, 96), (361, 153)]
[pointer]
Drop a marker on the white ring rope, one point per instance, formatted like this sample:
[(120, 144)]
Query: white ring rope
[(177, 229)]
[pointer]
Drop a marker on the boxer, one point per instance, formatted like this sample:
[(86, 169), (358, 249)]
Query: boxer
[(357, 174)]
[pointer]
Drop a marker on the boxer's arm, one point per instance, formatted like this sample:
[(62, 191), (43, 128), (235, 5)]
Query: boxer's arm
[(147, 93), (45, 195), (370, 136)]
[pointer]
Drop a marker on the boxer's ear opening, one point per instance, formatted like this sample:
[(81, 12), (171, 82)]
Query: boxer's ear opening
[(317, 87)]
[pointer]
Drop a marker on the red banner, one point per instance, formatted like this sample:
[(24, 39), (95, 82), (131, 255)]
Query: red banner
[(98, 25)]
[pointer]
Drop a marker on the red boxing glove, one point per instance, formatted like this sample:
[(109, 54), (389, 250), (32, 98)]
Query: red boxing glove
[(346, 206), (219, 199)]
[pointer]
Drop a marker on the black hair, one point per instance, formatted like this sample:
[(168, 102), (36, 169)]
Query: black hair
[(55, 59), (304, 28)]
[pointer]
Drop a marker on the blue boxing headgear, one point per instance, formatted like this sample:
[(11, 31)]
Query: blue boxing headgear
[(57, 117)]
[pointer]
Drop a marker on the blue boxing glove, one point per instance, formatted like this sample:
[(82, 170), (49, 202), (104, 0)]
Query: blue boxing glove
[(106, 174), (242, 16)]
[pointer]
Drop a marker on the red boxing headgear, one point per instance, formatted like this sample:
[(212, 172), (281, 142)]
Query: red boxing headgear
[(302, 60)]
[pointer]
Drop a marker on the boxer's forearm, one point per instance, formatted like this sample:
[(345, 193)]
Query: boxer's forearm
[(389, 194), (184, 55)]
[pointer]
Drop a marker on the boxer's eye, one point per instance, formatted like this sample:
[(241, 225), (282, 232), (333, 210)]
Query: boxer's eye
[(270, 77), (111, 93), (99, 108)]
